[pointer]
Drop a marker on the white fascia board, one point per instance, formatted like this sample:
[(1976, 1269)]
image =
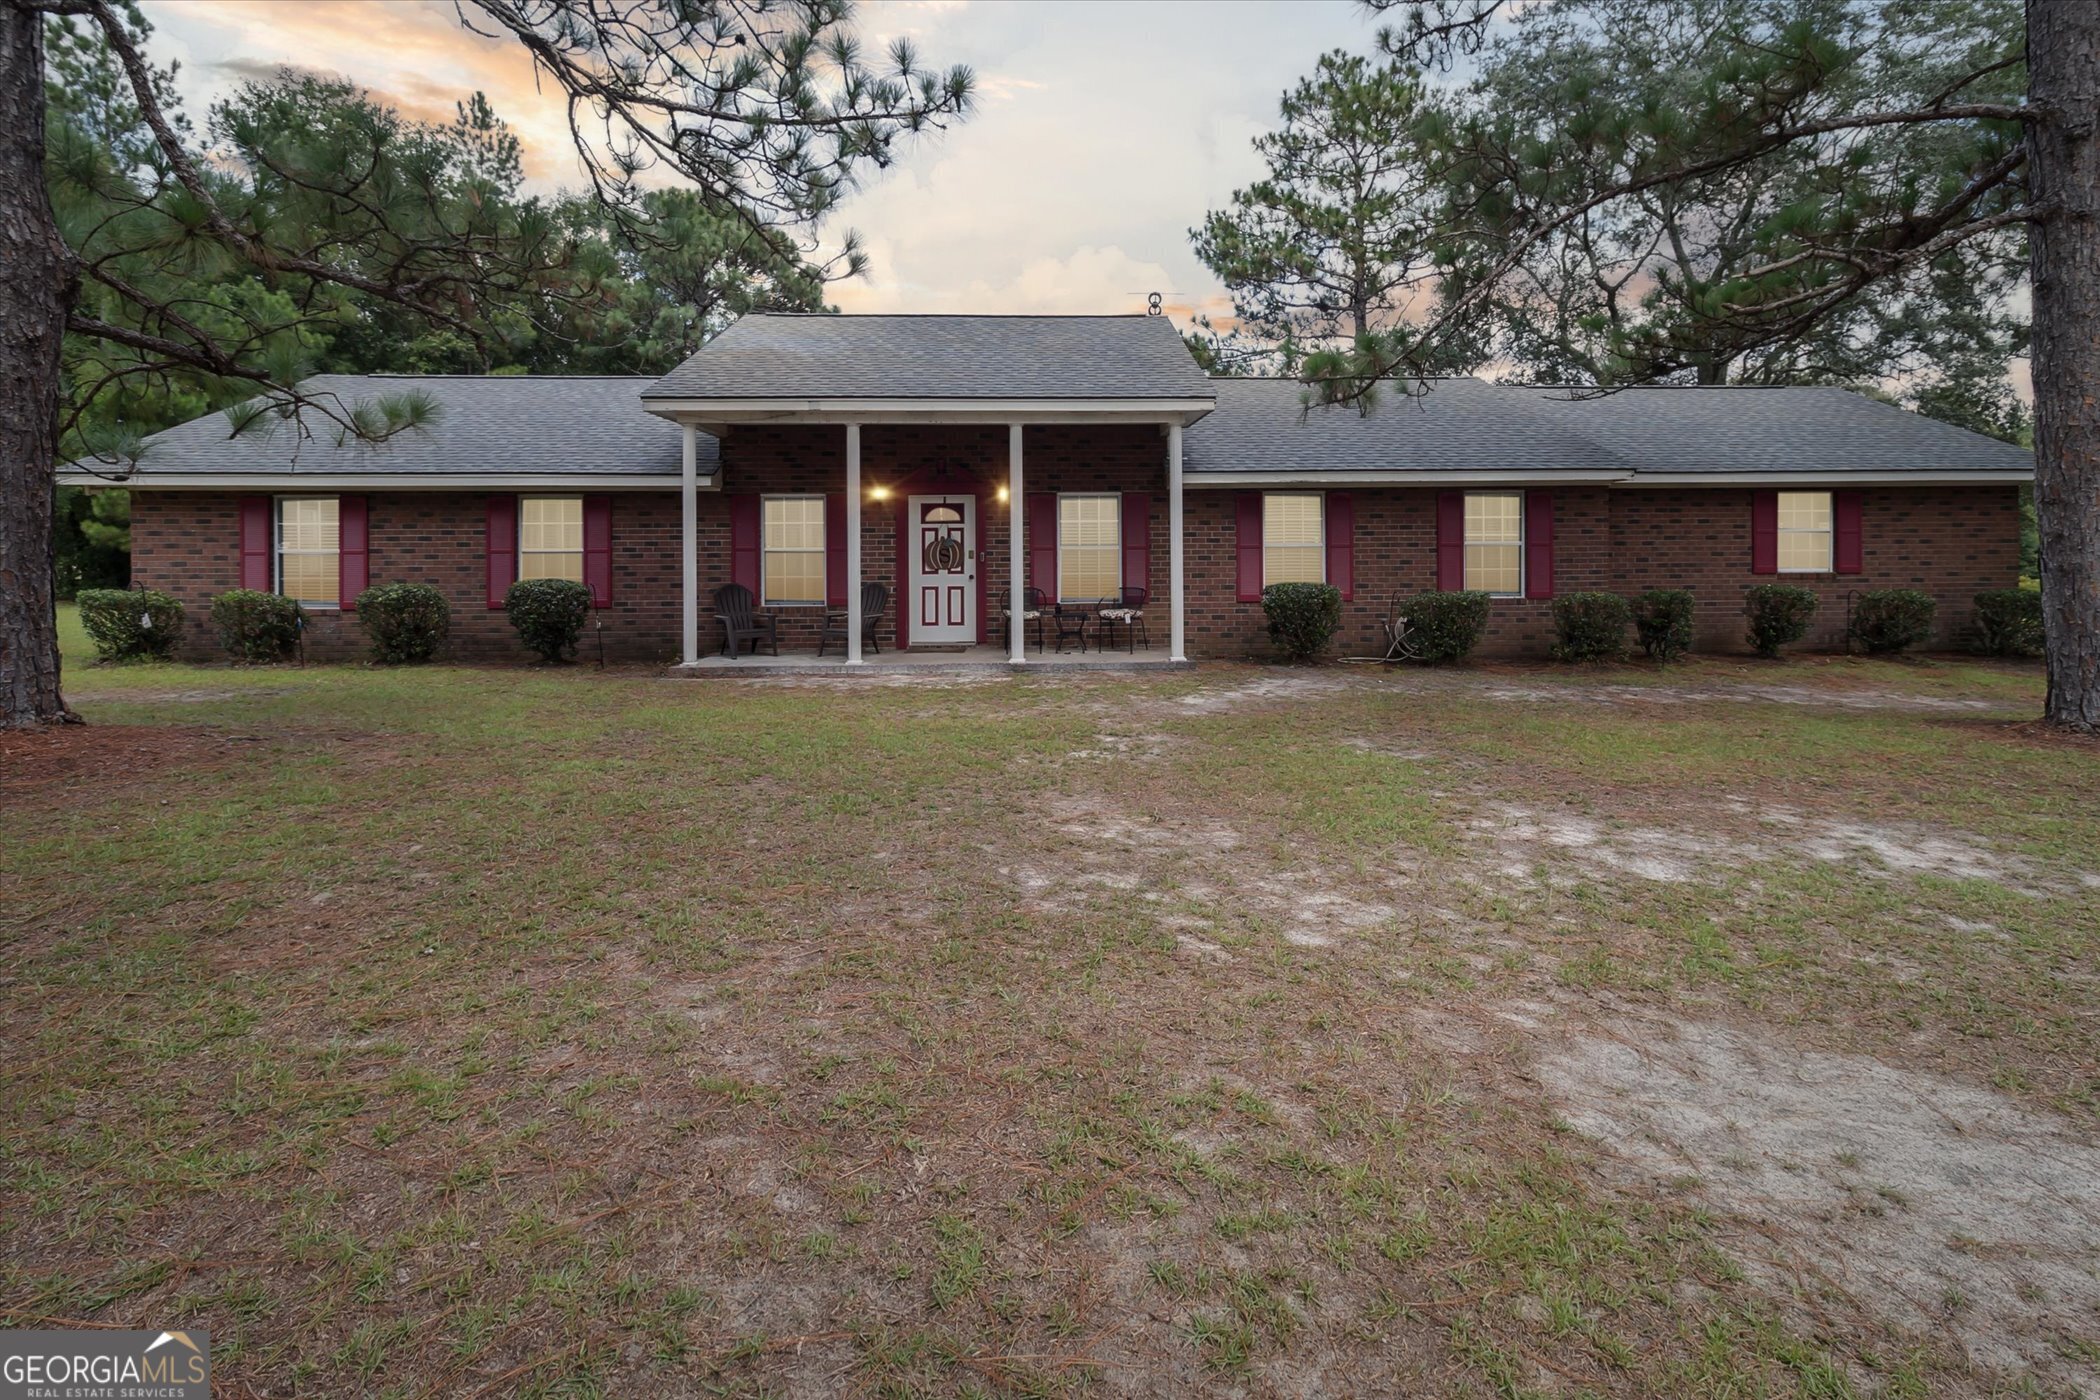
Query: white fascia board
[(1837, 478), (1377, 478), (1509, 477), (732, 411), (377, 481)]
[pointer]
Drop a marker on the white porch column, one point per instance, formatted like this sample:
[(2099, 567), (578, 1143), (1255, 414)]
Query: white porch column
[(688, 488), (1177, 652), (853, 657), (1016, 546)]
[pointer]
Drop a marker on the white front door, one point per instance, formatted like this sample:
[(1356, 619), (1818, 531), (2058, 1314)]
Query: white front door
[(942, 537)]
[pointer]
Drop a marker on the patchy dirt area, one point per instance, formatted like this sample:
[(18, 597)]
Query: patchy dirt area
[(1945, 1206), (1746, 693), (1712, 840), (1288, 685)]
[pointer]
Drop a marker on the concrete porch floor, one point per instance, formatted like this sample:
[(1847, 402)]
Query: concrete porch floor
[(977, 658)]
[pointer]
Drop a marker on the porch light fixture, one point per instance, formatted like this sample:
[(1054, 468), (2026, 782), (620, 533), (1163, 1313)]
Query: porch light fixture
[(878, 493), (1002, 495)]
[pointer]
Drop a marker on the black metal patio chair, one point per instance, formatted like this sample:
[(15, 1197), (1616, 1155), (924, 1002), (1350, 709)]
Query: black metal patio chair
[(1127, 611), (1032, 608), (874, 598), (741, 621)]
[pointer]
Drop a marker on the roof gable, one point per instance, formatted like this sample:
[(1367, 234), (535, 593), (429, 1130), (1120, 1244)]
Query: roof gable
[(767, 356)]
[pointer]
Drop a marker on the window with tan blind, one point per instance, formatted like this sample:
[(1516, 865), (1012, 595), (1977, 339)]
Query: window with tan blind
[(1089, 548), (309, 545), (1805, 532), (550, 537), (1495, 542), (791, 531), (1293, 538)]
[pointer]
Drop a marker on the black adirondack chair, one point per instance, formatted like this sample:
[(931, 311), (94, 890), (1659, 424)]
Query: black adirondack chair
[(874, 597), (736, 610)]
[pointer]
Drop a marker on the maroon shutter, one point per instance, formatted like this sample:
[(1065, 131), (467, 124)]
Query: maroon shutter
[(835, 549), (743, 542), (1247, 516), (1450, 540), (1137, 540), (1764, 532), (1042, 542), (1341, 543), (1848, 548), (353, 550), (597, 549), (502, 545), (1538, 544), (255, 543)]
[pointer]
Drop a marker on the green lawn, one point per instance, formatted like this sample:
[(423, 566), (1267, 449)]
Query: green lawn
[(453, 1031)]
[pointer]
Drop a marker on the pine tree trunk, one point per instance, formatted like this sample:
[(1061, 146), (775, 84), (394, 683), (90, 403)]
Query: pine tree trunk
[(35, 292), (2063, 55)]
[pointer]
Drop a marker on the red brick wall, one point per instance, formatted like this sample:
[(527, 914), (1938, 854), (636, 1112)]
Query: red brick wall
[(1949, 540), (188, 543)]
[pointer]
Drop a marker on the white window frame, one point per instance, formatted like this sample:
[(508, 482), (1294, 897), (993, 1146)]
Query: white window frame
[(1523, 542), (1116, 550), (1319, 546), (277, 550), (1829, 534), (822, 550), (518, 561)]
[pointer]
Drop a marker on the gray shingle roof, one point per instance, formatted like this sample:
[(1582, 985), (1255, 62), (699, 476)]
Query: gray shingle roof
[(495, 425), (1467, 425), (940, 357)]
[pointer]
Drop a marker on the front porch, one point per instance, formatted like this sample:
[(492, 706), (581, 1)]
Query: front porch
[(936, 518), (977, 659)]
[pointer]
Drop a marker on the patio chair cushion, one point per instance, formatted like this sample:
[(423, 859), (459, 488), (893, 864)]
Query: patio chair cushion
[(1120, 614)]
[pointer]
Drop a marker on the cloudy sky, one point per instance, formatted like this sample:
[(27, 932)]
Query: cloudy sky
[(1103, 130)]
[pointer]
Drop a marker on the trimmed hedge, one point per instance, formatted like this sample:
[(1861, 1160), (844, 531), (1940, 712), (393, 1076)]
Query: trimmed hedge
[(1303, 617), (1447, 625), (406, 622), (549, 614), (125, 623), (1662, 622), (2008, 622), (1890, 619), (1590, 626), (257, 626), (1779, 615)]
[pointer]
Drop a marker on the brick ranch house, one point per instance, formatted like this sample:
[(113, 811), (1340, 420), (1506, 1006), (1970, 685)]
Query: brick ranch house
[(945, 455)]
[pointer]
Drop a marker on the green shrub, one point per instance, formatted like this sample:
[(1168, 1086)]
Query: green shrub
[(1779, 614), (130, 622), (1662, 622), (257, 626), (1303, 617), (1447, 626), (549, 614), (1590, 627), (406, 622), (1890, 619), (2008, 622)]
